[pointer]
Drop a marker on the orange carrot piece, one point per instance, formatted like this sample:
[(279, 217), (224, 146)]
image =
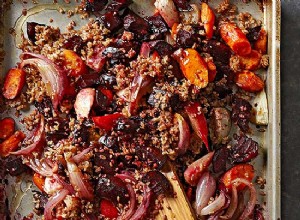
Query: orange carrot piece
[(14, 82), (208, 19), (249, 81)]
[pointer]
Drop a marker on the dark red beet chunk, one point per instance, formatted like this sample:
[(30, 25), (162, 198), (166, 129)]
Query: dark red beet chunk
[(108, 80), (118, 5), (136, 25), (151, 155), (182, 5), (157, 24), (162, 47), (15, 167), (31, 30), (115, 55), (81, 133), (61, 132), (219, 159), (95, 5), (218, 50), (88, 80), (111, 20), (241, 113), (112, 188), (74, 43), (176, 68), (126, 45), (108, 141), (158, 183), (105, 161), (245, 150), (186, 39), (253, 33)]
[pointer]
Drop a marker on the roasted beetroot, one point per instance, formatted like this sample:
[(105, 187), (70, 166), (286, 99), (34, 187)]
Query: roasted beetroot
[(158, 183), (157, 24), (95, 5), (186, 39), (104, 162), (88, 80), (112, 189), (219, 159), (136, 25), (162, 47), (44, 106), (218, 50), (151, 155), (241, 113), (74, 43), (59, 129), (244, 150), (117, 5), (111, 20), (31, 30), (115, 55), (108, 79)]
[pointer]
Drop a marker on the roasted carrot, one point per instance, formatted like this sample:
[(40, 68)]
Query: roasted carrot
[(14, 82), (11, 144), (251, 61), (193, 67), (249, 81), (7, 127), (208, 19), (261, 44), (235, 38), (74, 63)]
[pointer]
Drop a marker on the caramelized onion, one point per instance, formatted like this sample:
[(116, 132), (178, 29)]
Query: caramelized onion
[(215, 206), (42, 167), (251, 203), (205, 189), (52, 75), (184, 134), (142, 209), (37, 139), (83, 187), (233, 204), (54, 201), (81, 156)]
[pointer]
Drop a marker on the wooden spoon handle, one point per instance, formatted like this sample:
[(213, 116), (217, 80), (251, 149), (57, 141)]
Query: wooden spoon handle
[(179, 207)]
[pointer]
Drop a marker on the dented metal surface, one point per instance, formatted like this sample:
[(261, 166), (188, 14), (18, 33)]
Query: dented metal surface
[(267, 164)]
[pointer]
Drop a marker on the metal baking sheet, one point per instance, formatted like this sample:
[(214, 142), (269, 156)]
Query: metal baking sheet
[(18, 190)]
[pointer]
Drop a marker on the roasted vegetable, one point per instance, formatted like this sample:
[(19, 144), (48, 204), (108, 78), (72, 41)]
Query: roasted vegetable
[(208, 19), (249, 81), (193, 66), (11, 144), (235, 38), (14, 82)]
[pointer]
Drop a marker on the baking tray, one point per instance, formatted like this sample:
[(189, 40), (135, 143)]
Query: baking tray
[(18, 189)]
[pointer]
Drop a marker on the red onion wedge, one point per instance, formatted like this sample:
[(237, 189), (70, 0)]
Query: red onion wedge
[(83, 187), (53, 202), (52, 75), (37, 139), (233, 204), (194, 171), (42, 167), (124, 94), (205, 189), (168, 11), (145, 50), (142, 209), (65, 185), (52, 185), (251, 203), (184, 134), (240, 206), (215, 206), (138, 88), (132, 202), (84, 102), (82, 155)]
